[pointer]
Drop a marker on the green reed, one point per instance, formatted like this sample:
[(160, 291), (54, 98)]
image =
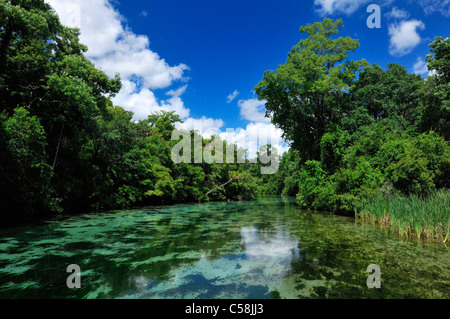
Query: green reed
[(418, 216)]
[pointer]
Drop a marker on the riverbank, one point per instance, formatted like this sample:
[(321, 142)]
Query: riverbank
[(411, 216)]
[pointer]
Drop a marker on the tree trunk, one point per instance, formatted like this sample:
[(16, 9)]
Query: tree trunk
[(57, 148), (223, 185)]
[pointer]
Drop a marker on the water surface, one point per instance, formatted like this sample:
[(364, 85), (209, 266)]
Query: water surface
[(261, 249)]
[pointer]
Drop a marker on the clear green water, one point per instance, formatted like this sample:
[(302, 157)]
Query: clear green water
[(261, 249)]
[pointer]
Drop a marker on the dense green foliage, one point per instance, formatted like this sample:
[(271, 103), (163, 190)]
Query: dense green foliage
[(359, 132), (303, 95), (65, 147)]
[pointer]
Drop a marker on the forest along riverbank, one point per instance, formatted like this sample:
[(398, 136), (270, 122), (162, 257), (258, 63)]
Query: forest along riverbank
[(266, 248)]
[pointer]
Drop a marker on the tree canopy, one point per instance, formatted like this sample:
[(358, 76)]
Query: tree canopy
[(357, 130), (305, 94), (66, 148)]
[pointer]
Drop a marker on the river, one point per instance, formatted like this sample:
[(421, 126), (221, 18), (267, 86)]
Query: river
[(261, 249)]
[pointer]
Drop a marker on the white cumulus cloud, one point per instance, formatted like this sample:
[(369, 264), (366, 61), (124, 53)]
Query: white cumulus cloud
[(253, 110), (258, 132), (404, 36), (114, 48), (143, 102), (254, 136)]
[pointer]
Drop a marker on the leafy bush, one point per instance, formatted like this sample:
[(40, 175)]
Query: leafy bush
[(25, 174), (333, 146), (310, 181), (354, 185), (411, 175)]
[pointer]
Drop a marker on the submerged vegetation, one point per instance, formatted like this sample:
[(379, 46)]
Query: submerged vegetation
[(263, 249), (362, 138)]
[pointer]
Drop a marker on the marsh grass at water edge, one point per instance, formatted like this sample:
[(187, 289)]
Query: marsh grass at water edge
[(426, 218)]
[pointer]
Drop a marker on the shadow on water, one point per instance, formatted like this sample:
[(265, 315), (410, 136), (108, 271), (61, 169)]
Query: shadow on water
[(260, 249)]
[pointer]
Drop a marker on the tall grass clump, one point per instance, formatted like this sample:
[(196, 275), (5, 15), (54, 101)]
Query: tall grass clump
[(412, 216)]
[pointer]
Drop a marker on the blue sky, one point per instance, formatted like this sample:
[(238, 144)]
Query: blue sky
[(192, 55)]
